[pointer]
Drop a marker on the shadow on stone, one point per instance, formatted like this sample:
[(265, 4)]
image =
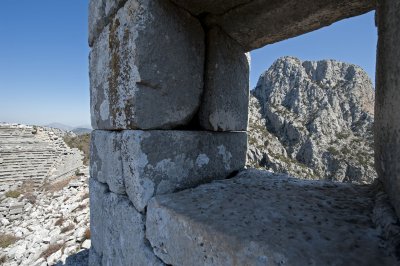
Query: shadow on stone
[(78, 259)]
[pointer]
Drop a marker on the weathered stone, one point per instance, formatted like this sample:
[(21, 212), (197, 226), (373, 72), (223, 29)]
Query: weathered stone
[(387, 110), (146, 68), (100, 14), (106, 161), (158, 162), (313, 120), (226, 92), (260, 22), (117, 230), (214, 7), (261, 218)]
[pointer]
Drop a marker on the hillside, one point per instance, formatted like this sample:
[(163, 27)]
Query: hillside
[(314, 120)]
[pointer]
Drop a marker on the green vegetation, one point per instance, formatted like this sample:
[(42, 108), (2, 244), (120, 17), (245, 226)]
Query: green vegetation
[(13, 194), (342, 135), (51, 249), (81, 142), (333, 151), (7, 240)]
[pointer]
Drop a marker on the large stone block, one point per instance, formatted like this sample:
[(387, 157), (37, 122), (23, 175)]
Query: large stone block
[(226, 91), (387, 109), (106, 160), (159, 162), (100, 14), (257, 23), (261, 218), (146, 68), (117, 230)]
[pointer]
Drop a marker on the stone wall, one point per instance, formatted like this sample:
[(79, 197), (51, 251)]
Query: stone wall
[(169, 98), (159, 80)]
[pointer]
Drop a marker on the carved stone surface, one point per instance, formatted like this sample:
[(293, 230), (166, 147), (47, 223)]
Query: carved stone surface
[(387, 110), (263, 22), (117, 230), (226, 93), (100, 14), (261, 218), (159, 162), (146, 68), (106, 160)]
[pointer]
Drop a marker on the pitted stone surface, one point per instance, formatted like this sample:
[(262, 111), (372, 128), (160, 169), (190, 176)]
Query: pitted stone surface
[(261, 218), (214, 7), (387, 111), (159, 162), (117, 230), (257, 23), (106, 160), (146, 68), (226, 92), (100, 14)]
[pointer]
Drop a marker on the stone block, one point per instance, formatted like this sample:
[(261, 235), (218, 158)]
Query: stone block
[(100, 14), (214, 7), (226, 92), (146, 68), (117, 230), (159, 162), (261, 218), (257, 23), (106, 160), (387, 110)]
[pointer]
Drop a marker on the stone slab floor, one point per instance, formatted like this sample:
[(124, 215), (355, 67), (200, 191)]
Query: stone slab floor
[(261, 218)]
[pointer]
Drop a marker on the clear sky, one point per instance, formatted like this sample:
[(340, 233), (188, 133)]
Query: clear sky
[(44, 57)]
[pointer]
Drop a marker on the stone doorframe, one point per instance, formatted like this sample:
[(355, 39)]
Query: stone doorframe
[(169, 98)]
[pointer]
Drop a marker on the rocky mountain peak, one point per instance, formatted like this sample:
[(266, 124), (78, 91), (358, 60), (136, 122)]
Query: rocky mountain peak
[(315, 109)]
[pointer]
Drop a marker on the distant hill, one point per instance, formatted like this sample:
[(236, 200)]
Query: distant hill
[(81, 130), (77, 130)]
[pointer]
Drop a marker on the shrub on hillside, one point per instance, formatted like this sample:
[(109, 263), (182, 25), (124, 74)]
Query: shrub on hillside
[(81, 142)]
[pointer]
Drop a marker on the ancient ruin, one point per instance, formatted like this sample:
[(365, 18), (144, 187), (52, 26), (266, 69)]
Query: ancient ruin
[(169, 98)]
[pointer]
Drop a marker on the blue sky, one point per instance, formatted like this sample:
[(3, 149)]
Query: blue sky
[(44, 58)]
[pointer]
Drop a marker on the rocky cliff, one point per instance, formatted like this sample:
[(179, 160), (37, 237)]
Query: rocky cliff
[(314, 120)]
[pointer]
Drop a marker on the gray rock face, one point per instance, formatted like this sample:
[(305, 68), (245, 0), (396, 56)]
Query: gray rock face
[(260, 218), (159, 162), (106, 160), (226, 92), (117, 230), (136, 76), (313, 120), (387, 127), (100, 14)]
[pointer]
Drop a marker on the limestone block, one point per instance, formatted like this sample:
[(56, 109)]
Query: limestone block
[(117, 230), (159, 162), (387, 110), (106, 160), (209, 6), (261, 218), (257, 23), (146, 68), (100, 14), (226, 92)]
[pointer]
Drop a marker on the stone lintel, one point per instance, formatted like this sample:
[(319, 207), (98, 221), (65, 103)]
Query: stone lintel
[(260, 22)]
